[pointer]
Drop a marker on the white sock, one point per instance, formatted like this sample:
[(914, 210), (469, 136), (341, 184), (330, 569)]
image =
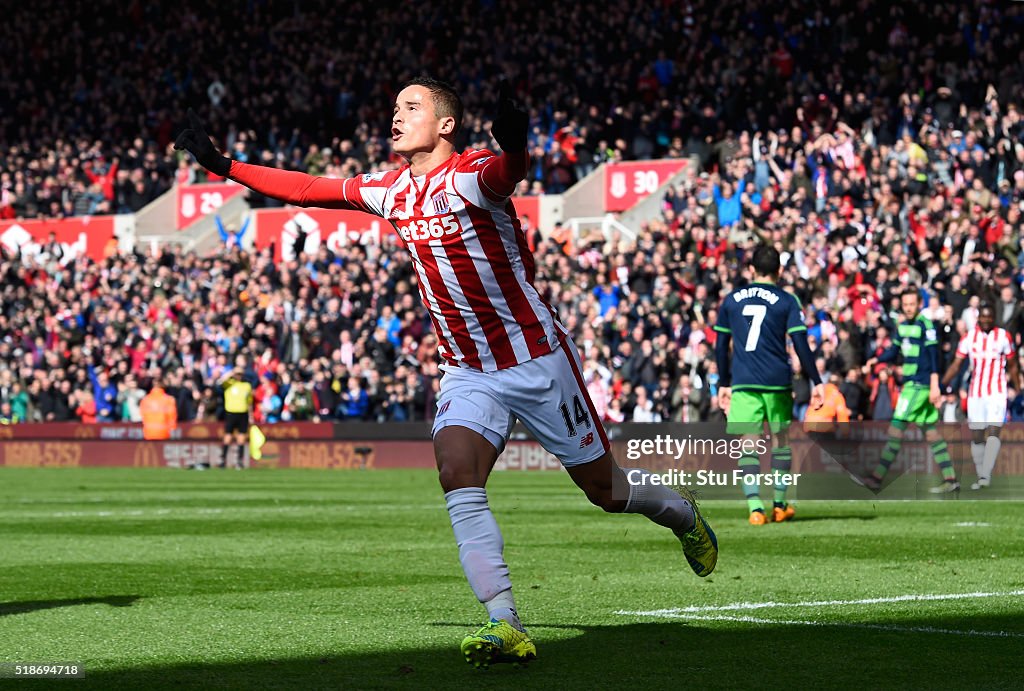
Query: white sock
[(503, 606), (992, 445), (661, 504), (480, 545), (978, 456)]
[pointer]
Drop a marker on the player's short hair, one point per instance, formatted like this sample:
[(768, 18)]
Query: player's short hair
[(766, 261), (447, 103), (986, 306), (911, 291)]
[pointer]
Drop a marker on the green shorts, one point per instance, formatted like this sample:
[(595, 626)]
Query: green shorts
[(748, 411), (913, 406)]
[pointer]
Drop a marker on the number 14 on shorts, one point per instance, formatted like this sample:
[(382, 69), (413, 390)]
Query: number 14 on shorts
[(578, 418)]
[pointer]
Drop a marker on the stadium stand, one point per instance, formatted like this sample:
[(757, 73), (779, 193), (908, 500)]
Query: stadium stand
[(861, 141)]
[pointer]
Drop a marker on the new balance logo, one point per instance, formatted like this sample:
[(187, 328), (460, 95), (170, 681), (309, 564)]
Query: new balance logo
[(587, 440), (444, 408)]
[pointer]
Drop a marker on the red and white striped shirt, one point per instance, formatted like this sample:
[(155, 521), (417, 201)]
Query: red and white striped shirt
[(987, 353), (471, 257)]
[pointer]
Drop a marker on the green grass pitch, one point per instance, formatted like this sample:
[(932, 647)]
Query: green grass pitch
[(349, 580)]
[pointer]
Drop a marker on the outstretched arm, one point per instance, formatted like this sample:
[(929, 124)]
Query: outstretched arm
[(241, 231), (501, 174), (221, 230), (292, 187)]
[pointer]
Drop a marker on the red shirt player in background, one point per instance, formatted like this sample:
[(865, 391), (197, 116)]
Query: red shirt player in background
[(987, 347), (506, 356)]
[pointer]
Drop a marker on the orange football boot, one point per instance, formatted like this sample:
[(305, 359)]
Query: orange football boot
[(780, 514)]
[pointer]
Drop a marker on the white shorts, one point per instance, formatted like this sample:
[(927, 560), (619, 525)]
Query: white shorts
[(986, 411), (547, 394)]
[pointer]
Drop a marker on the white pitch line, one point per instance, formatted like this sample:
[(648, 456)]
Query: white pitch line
[(189, 511), (847, 625), (815, 603)]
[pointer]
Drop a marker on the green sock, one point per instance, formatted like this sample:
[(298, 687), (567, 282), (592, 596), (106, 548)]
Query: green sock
[(889, 454), (751, 465), (782, 462), (940, 451)]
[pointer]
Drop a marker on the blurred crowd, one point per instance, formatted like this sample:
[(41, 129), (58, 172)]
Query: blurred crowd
[(879, 146), (92, 94), (330, 337)]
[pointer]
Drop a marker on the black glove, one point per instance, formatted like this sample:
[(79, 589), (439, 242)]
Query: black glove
[(510, 122), (195, 140)]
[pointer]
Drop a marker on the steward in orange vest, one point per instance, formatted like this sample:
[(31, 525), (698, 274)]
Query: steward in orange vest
[(159, 414), (833, 410)]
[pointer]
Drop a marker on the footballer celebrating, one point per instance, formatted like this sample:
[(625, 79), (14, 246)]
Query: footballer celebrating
[(756, 383), (991, 354), (505, 355)]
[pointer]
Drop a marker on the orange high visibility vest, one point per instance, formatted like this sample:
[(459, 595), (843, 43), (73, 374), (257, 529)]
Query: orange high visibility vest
[(834, 410), (159, 415)]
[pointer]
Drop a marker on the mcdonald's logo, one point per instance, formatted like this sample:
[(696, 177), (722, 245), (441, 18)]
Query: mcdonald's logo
[(282, 430), (85, 432), (199, 431), (146, 456)]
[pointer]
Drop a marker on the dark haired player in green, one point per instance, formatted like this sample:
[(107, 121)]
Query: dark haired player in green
[(916, 339), (756, 385)]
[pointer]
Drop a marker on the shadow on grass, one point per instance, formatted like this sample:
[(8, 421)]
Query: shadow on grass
[(8, 608), (804, 518), (677, 654)]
